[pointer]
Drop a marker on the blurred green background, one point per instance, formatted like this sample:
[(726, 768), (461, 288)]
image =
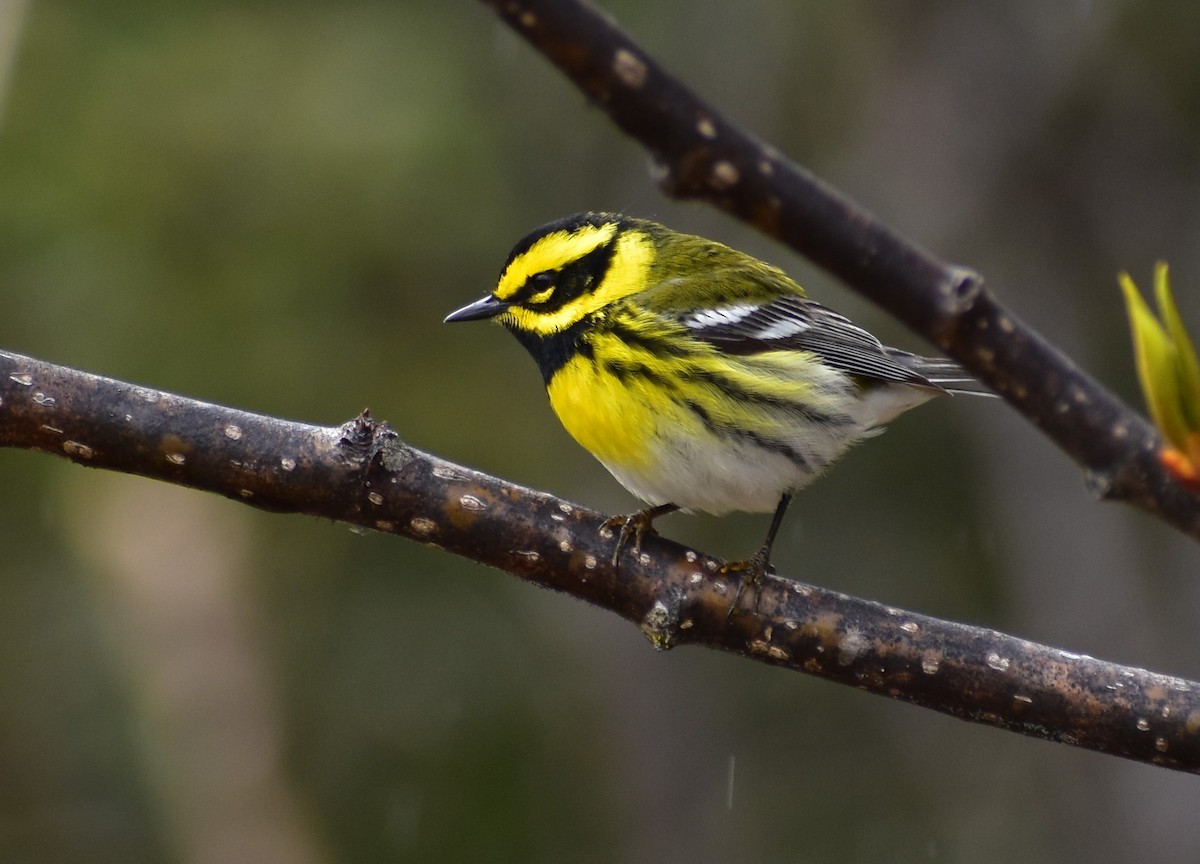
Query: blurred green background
[(273, 206)]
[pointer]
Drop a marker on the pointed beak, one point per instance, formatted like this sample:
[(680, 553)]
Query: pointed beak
[(488, 307)]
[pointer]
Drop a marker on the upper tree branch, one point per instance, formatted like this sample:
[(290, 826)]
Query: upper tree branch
[(704, 155), (361, 474)]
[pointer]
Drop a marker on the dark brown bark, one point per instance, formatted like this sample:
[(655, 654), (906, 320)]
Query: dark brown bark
[(361, 473)]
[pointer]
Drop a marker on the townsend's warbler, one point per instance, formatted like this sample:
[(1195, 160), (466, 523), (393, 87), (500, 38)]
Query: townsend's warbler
[(702, 378)]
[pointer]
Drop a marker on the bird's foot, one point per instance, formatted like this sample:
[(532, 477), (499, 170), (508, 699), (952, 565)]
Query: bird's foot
[(750, 573), (634, 527)]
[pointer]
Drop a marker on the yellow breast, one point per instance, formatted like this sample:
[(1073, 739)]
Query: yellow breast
[(610, 418)]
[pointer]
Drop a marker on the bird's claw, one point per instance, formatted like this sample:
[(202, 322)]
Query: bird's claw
[(750, 573), (632, 527)]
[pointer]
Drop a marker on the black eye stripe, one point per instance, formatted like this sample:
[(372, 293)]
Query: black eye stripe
[(571, 281)]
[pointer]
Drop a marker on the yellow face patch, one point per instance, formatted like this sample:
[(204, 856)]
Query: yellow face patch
[(550, 253), (632, 255)]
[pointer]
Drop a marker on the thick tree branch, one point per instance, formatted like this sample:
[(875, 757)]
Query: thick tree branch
[(362, 474), (704, 155)]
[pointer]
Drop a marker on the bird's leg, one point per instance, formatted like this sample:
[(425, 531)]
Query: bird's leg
[(754, 569), (635, 527)]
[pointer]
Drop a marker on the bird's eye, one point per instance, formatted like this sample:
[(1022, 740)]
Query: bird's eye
[(540, 285)]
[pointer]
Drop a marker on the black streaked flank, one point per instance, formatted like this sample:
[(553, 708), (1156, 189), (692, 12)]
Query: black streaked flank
[(658, 346), (625, 371), (738, 394), (780, 447), (667, 345)]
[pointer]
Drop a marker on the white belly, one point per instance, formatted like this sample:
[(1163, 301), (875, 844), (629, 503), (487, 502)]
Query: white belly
[(719, 474)]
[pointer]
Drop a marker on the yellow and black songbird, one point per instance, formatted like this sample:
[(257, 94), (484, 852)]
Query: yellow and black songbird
[(701, 377)]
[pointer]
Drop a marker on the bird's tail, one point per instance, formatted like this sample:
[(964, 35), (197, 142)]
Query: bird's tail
[(942, 373)]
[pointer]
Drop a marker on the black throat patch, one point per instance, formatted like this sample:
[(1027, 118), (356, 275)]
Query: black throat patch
[(552, 352)]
